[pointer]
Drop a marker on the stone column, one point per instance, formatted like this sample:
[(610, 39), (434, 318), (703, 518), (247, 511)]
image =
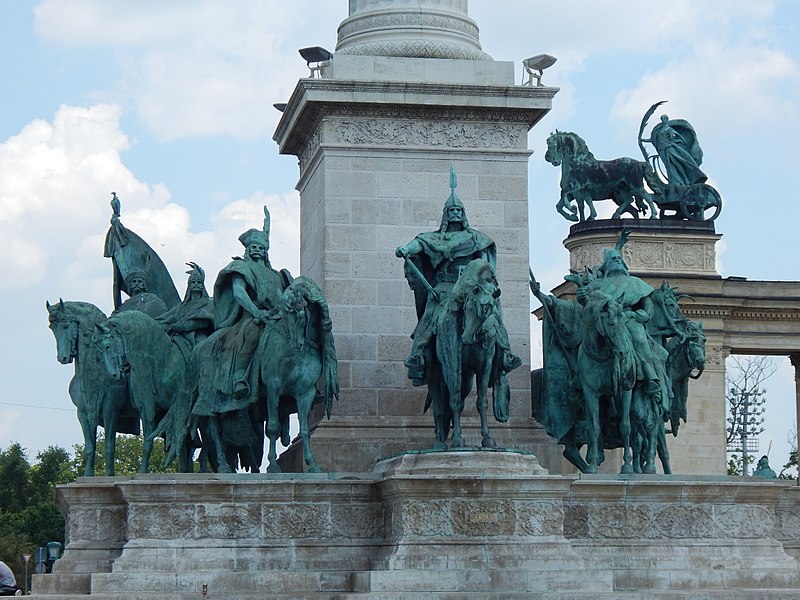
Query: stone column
[(408, 93), (795, 360)]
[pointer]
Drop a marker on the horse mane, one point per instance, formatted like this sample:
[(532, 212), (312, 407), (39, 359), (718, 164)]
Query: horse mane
[(476, 272), (579, 147), (314, 297), (83, 312), (141, 333)]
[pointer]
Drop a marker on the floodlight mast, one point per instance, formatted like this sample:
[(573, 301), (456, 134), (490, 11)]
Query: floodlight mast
[(535, 65), (320, 57)]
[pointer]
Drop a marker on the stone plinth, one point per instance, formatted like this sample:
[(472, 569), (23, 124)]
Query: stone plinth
[(430, 525), (375, 139)]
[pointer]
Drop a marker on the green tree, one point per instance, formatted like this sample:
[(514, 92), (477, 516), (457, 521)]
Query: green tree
[(14, 470), (28, 514), (790, 469), (735, 466)]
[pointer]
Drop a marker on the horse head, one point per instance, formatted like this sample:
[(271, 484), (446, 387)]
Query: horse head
[(554, 153), (696, 349), (64, 326), (295, 317), (112, 347), (480, 321)]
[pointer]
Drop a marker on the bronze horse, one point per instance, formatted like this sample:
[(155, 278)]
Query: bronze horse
[(466, 351), (137, 352), (586, 180), (99, 399)]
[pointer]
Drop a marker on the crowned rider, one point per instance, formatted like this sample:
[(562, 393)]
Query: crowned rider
[(434, 261)]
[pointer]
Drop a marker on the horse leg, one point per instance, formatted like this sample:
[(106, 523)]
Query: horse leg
[(303, 410), (482, 403), (215, 433), (592, 404), (110, 414), (625, 431), (148, 425), (571, 451), (652, 445), (565, 209), (89, 443), (663, 451), (456, 406), (273, 430)]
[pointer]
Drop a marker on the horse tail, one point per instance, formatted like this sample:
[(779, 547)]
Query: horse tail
[(501, 398), (330, 372), (651, 178)]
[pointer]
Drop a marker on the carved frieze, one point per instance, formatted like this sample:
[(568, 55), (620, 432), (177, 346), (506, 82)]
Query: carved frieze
[(229, 521), (296, 520), (104, 523), (364, 520), (539, 518), (668, 521), (450, 134), (161, 521), (644, 255)]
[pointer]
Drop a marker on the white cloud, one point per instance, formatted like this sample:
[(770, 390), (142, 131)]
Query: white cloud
[(193, 68), (55, 184), (726, 87), (55, 179)]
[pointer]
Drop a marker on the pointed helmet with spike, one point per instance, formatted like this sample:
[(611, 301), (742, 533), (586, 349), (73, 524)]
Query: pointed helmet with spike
[(453, 201)]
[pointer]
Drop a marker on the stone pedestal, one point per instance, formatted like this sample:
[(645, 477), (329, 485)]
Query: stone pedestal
[(428, 525), (375, 138)]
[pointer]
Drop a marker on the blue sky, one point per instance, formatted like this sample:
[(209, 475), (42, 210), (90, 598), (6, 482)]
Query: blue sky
[(170, 105)]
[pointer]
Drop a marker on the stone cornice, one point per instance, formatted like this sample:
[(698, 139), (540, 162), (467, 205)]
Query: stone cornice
[(392, 99)]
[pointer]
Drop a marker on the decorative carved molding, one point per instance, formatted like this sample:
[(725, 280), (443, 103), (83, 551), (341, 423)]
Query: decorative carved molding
[(669, 256), (415, 19), (451, 134), (161, 521), (416, 49), (668, 521), (428, 30)]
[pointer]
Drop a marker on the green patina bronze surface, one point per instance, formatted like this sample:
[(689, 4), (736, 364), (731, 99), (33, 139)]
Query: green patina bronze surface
[(460, 332), (616, 366), (216, 372), (673, 172), (674, 181)]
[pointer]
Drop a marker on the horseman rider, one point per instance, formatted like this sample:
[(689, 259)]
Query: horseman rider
[(140, 299), (191, 321), (635, 297), (244, 293), (434, 261)]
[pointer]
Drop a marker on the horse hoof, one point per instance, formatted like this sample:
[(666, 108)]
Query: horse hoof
[(457, 443), (488, 442), (591, 470), (627, 469), (649, 469), (439, 446), (315, 468), (273, 468)]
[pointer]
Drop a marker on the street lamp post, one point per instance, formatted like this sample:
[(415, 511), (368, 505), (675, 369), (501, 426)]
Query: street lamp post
[(26, 557)]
